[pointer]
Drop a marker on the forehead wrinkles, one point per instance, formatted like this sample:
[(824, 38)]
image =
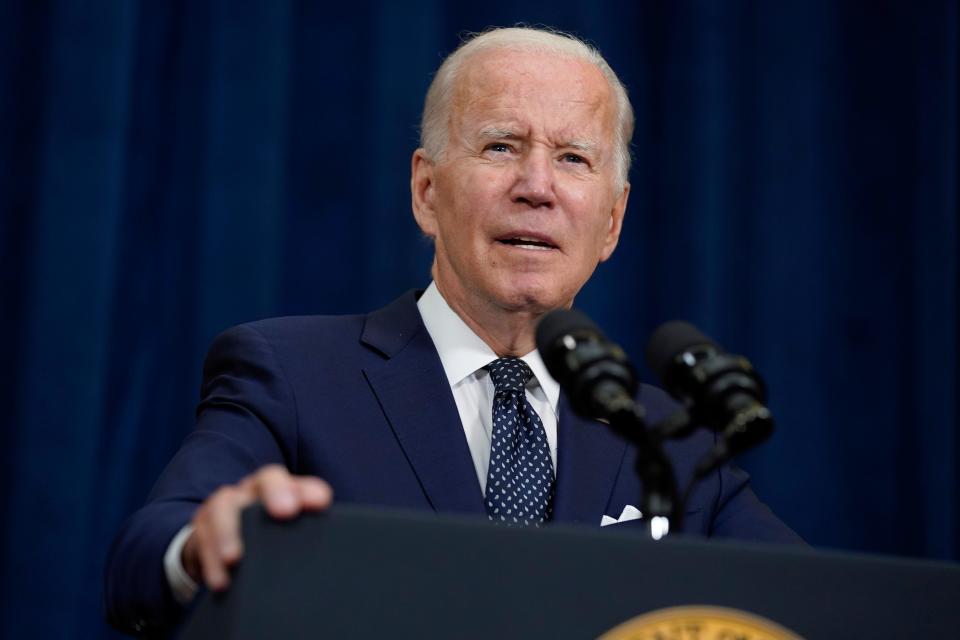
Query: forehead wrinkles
[(496, 88)]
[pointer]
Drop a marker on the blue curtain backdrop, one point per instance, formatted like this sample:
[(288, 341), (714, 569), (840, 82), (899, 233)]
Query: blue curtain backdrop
[(168, 169)]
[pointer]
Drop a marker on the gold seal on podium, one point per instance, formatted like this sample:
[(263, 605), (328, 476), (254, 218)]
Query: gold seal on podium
[(699, 623)]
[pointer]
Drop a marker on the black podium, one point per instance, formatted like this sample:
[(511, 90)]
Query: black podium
[(362, 573)]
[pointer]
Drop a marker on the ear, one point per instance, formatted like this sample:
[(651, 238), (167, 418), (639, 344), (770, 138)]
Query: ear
[(616, 223), (421, 192)]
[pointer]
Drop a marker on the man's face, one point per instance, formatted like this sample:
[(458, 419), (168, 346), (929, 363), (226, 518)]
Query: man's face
[(524, 203)]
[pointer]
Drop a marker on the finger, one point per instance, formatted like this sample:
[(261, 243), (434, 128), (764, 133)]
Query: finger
[(214, 572), (279, 492), (223, 519), (315, 494)]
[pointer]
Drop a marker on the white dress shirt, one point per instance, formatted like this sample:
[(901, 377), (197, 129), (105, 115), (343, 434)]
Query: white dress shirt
[(463, 355)]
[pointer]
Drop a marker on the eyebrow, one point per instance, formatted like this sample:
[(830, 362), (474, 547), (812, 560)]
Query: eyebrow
[(580, 145), (492, 133), (495, 133)]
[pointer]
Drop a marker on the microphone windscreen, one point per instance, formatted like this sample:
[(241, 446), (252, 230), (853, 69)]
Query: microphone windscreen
[(560, 322), (669, 340)]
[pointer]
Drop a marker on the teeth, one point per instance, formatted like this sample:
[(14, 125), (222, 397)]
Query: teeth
[(528, 243)]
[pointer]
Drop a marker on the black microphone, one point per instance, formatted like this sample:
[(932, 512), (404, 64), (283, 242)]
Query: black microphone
[(595, 373), (601, 383), (719, 390)]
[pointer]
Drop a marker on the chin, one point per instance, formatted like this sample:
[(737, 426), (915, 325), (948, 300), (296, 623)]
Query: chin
[(533, 297)]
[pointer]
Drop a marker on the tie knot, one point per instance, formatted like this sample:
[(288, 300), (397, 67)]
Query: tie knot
[(509, 374)]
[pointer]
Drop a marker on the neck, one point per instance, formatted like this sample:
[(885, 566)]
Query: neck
[(507, 333)]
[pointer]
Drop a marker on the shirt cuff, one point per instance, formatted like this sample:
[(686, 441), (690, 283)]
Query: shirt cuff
[(182, 585)]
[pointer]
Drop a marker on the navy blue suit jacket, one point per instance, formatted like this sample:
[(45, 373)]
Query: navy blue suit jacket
[(363, 402)]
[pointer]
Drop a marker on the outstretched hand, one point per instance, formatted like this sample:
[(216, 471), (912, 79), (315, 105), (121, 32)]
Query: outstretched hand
[(215, 544)]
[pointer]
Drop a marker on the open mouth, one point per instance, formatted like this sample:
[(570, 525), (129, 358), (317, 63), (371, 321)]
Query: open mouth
[(526, 242)]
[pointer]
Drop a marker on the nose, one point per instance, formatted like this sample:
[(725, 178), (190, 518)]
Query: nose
[(534, 184)]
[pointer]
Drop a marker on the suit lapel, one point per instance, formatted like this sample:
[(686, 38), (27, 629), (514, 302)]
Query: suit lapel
[(413, 391), (589, 458)]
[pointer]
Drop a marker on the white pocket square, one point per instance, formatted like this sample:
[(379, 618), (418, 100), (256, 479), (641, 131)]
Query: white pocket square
[(630, 512)]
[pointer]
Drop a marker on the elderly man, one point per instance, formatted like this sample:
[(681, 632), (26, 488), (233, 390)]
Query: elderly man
[(521, 184)]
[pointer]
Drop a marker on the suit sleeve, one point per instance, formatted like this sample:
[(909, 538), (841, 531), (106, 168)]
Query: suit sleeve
[(247, 418), (740, 514)]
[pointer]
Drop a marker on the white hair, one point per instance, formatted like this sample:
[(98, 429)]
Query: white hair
[(435, 120)]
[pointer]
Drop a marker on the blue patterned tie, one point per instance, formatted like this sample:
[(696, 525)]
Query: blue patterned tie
[(520, 477)]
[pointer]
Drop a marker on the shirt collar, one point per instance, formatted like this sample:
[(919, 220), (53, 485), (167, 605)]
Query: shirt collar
[(462, 352)]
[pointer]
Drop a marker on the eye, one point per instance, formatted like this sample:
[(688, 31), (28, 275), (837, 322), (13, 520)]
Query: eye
[(573, 158), (498, 147)]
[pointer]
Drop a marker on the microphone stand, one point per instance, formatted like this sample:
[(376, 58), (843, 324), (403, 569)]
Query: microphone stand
[(659, 502), (737, 436)]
